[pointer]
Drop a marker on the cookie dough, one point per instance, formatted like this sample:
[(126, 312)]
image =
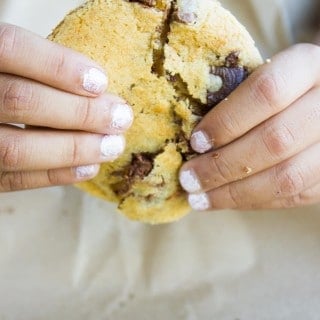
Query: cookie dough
[(172, 60)]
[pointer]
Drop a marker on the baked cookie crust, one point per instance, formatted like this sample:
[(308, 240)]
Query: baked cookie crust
[(172, 60)]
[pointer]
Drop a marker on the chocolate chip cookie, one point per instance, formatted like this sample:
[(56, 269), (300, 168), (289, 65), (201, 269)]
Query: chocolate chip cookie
[(173, 61)]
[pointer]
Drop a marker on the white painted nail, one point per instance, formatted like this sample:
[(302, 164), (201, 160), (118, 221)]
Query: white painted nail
[(199, 201), (189, 181), (200, 142), (94, 81), (112, 146), (122, 116), (86, 171)]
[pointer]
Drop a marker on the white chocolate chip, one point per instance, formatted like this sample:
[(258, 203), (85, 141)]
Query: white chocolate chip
[(215, 83), (188, 11)]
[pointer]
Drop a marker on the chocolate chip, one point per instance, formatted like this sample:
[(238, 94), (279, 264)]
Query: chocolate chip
[(140, 166), (231, 78), (232, 60), (121, 188)]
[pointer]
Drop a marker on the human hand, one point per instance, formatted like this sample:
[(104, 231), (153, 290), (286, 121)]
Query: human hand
[(72, 126), (265, 139)]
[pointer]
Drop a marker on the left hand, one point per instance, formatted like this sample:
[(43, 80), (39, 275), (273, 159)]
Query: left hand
[(262, 144)]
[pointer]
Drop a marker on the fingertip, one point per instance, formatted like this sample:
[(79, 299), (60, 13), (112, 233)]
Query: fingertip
[(87, 172), (112, 146), (199, 201), (94, 81), (200, 142), (189, 180), (121, 117)]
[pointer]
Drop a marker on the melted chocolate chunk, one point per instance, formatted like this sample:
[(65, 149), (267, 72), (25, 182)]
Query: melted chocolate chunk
[(231, 78), (140, 166), (231, 75)]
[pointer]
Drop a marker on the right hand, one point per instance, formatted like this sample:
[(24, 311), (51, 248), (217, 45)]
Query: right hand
[(71, 124)]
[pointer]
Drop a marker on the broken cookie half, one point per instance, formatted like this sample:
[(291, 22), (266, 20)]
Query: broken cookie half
[(172, 61)]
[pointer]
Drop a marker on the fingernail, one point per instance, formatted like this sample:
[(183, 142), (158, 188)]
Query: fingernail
[(189, 181), (200, 142), (94, 81), (122, 116), (199, 201), (112, 146), (86, 171)]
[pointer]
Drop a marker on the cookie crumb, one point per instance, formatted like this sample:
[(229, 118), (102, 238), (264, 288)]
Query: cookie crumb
[(247, 170), (216, 155)]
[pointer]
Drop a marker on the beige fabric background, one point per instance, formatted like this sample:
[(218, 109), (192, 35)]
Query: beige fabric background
[(65, 255)]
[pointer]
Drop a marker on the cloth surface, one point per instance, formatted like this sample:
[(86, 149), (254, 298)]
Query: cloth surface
[(66, 255)]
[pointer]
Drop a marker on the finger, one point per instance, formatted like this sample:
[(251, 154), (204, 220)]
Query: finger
[(311, 196), (24, 150), (26, 54), (307, 197), (276, 140), (285, 180), (32, 103), (14, 181), (264, 94)]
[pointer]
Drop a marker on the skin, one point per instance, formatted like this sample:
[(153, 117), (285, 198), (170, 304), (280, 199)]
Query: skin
[(265, 139), (266, 136), (42, 86)]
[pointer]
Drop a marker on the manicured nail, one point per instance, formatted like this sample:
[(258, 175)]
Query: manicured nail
[(94, 81), (122, 116), (86, 171), (199, 201), (200, 142), (112, 146), (189, 181)]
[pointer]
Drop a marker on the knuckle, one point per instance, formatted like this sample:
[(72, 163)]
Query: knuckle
[(8, 41), (234, 196), (293, 201), (18, 99), (56, 64), (278, 140), (266, 89), (84, 114), (53, 177), (221, 169), (11, 181), (73, 154), (228, 127), (289, 181), (10, 152)]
